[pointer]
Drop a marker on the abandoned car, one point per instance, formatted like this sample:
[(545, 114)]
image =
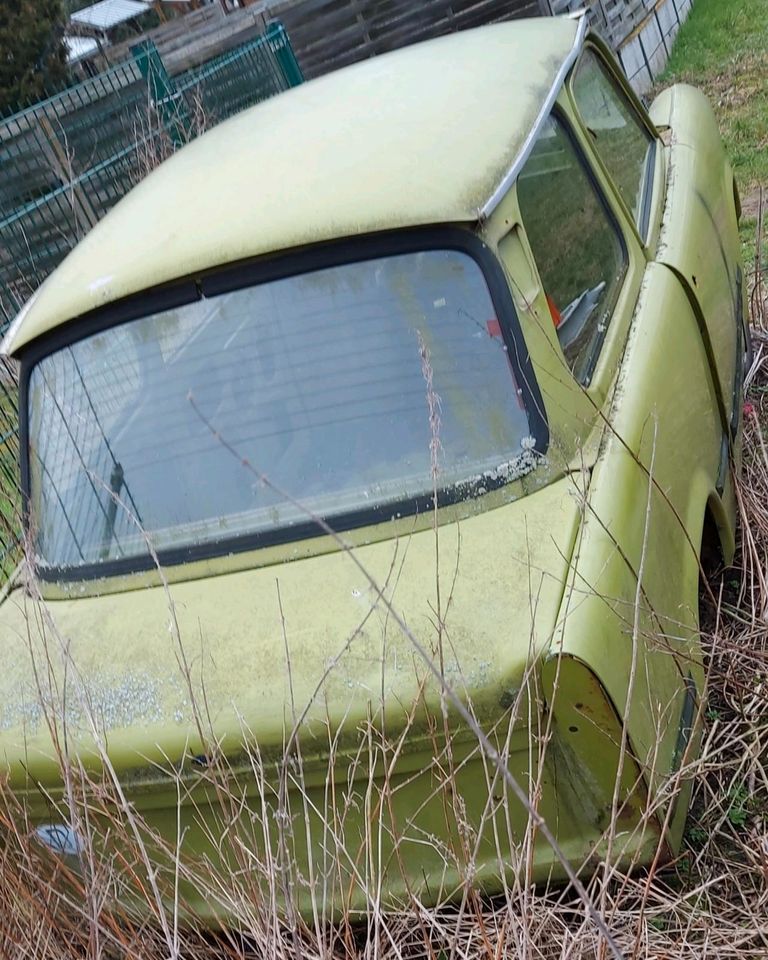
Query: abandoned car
[(439, 354)]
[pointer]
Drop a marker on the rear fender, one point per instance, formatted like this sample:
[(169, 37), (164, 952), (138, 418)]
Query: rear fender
[(699, 238), (589, 758), (642, 642)]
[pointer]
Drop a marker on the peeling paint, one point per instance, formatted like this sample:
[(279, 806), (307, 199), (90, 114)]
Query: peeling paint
[(507, 472), (113, 702)]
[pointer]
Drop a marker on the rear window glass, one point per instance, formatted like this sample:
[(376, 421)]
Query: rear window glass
[(322, 381)]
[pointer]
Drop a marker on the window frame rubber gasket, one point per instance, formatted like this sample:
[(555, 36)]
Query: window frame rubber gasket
[(230, 277), (649, 181)]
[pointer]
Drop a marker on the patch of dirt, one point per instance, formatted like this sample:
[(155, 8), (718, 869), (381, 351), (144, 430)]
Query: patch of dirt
[(750, 203)]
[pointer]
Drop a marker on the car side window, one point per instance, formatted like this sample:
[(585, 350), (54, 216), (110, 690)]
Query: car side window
[(578, 249), (622, 141)]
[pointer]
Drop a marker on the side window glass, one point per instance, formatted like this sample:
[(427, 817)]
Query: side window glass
[(624, 144), (577, 247)]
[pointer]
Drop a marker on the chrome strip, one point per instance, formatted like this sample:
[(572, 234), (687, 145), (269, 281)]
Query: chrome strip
[(511, 175), (6, 347)]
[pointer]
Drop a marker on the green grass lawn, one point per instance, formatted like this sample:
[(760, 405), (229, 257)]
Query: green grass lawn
[(723, 48)]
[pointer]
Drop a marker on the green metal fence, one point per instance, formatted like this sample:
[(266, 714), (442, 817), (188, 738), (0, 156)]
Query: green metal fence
[(67, 160), (217, 89), (64, 162)]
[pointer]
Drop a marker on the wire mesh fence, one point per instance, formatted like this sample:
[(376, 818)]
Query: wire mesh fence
[(217, 89), (67, 160)]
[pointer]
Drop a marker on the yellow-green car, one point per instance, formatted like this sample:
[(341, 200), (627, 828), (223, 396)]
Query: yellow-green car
[(442, 353)]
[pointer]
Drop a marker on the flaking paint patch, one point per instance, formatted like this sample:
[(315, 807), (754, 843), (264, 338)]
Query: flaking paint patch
[(114, 703), (99, 283), (515, 469)]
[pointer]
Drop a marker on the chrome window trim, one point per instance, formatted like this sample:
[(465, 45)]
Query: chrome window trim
[(546, 108)]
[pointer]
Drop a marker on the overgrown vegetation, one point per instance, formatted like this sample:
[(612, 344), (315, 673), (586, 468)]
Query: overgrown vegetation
[(33, 60), (723, 49)]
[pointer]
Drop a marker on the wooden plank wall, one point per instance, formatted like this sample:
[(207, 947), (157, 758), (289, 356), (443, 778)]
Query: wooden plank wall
[(328, 34), (640, 31), (195, 38), (615, 19)]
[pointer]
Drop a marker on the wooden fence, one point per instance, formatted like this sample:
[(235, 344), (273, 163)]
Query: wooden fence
[(640, 31), (615, 19), (188, 41), (328, 34)]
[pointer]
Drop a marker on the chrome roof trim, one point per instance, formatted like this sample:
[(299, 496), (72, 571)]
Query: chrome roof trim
[(6, 346), (511, 175)]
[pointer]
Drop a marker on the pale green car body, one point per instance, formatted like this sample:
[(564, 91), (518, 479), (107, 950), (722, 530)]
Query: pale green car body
[(548, 632)]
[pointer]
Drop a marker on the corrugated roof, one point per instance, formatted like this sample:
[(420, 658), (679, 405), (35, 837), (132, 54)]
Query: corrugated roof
[(425, 135), (109, 13), (79, 47)]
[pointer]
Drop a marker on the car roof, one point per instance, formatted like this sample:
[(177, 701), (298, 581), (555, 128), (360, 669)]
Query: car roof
[(428, 134)]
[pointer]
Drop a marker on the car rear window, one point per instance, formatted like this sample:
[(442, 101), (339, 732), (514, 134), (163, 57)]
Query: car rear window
[(347, 387)]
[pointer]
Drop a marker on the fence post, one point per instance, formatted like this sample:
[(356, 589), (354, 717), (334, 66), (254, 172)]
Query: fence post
[(280, 45), (61, 165), (171, 107)]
